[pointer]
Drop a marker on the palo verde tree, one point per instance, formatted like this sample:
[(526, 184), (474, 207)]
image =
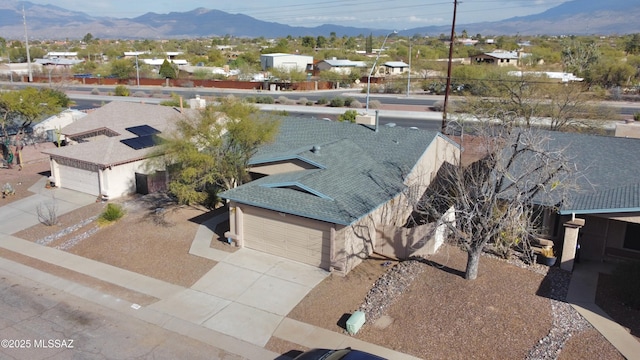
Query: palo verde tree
[(495, 199), (20, 109), (211, 149)]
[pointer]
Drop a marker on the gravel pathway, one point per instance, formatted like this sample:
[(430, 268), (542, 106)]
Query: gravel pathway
[(66, 231)]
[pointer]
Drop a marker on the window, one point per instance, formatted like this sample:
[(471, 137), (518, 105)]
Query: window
[(632, 237)]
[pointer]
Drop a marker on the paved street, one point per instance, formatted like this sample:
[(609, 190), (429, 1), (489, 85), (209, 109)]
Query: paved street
[(40, 322)]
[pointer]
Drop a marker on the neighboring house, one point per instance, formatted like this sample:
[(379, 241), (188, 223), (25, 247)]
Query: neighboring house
[(340, 66), (51, 127), (62, 55), (19, 69), (53, 63), (159, 62), (323, 191), (395, 67), (109, 146), (212, 70), (607, 198), (555, 75), (286, 62), (498, 58)]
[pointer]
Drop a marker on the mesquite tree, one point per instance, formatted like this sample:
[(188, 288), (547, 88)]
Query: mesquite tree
[(495, 199)]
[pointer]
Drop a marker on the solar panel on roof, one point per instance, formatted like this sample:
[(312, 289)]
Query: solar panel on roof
[(143, 130), (142, 142)]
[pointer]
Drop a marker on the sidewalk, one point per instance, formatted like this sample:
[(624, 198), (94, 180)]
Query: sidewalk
[(582, 297)]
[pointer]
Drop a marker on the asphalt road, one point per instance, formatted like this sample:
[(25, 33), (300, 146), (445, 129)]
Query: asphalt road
[(40, 322)]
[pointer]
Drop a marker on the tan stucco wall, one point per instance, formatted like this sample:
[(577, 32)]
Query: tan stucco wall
[(282, 167), (354, 243)]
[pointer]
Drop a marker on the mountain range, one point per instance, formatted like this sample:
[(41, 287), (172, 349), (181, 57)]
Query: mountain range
[(577, 17)]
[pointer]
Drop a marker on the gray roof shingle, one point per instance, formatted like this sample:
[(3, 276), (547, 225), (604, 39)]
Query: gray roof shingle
[(357, 169), (607, 169)]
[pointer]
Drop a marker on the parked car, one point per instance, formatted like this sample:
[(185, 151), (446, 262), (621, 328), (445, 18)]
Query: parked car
[(339, 354)]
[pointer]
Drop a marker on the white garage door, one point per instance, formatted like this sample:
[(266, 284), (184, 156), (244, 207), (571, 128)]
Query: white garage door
[(77, 179), (289, 236)]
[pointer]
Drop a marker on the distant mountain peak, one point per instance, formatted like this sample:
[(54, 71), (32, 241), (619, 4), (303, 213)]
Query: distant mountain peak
[(576, 17)]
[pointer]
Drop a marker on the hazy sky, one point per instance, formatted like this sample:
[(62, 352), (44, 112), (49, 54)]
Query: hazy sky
[(383, 14)]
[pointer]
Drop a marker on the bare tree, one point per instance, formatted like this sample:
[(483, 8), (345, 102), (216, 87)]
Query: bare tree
[(495, 199), (538, 101)]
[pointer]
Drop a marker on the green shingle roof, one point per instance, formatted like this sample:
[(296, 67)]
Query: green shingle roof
[(607, 169), (356, 169)]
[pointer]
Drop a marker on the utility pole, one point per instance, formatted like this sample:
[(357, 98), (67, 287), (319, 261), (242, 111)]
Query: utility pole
[(447, 89), (26, 42), (409, 73)]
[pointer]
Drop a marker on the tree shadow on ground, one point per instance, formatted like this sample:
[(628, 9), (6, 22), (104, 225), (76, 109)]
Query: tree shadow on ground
[(442, 267)]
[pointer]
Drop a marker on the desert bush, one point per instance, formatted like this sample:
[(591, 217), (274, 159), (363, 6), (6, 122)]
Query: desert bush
[(265, 100), (636, 116), (322, 101), (139, 94), (48, 213), (309, 103), (302, 101), (337, 102), (348, 116), (438, 106), (112, 213), (282, 99), (375, 104), (348, 101), (122, 90), (95, 91), (355, 104), (250, 99)]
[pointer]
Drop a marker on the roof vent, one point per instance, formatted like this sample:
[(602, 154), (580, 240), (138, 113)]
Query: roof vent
[(315, 149)]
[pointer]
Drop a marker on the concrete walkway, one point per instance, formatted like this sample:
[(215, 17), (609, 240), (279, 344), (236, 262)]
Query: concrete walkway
[(582, 297), (237, 306)]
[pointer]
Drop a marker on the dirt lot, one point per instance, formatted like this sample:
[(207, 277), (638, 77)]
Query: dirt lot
[(502, 314)]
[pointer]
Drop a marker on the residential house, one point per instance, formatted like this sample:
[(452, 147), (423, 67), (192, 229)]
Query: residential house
[(109, 146), (51, 127), (323, 191), (340, 66), (286, 62), (69, 55), (395, 67), (607, 198), (498, 58)]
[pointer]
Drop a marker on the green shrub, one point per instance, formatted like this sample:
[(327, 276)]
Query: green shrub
[(636, 116), (322, 101), (302, 101), (112, 213), (95, 91), (309, 103), (627, 281), (250, 99), (348, 116), (348, 101), (122, 90), (337, 102), (265, 100)]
